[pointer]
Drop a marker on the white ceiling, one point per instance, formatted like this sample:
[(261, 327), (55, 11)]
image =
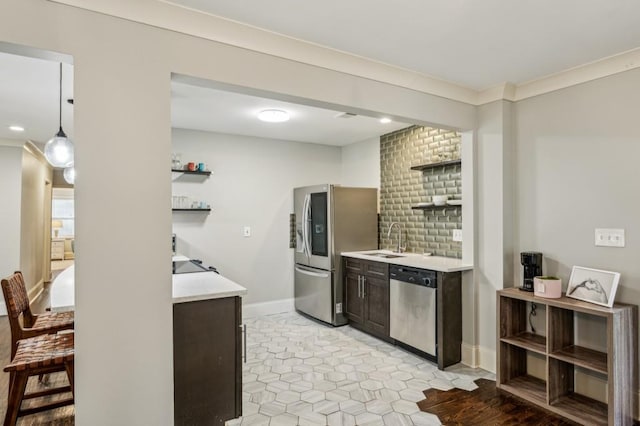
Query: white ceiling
[(29, 98), (201, 108), (477, 44)]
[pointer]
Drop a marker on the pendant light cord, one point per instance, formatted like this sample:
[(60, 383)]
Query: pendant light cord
[(60, 98), (61, 133)]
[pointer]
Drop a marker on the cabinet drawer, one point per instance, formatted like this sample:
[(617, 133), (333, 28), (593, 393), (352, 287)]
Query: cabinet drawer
[(353, 265), (376, 269), (57, 250)]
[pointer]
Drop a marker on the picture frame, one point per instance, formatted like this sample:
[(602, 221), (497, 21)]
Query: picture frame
[(593, 285)]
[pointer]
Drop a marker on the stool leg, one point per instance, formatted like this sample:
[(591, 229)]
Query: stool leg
[(12, 377), (69, 367), (16, 393)]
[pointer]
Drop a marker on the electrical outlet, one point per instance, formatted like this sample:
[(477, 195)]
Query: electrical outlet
[(609, 237), (457, 235), (246, 231)]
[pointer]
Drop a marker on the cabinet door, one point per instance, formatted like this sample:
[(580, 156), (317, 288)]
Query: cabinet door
[(376, 310), (206, 361), (354, 301)]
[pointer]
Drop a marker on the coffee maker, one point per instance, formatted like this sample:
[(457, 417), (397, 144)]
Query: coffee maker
[(532, 262)]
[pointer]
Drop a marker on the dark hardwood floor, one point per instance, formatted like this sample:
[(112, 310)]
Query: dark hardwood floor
[(486, 406), (60, 416)]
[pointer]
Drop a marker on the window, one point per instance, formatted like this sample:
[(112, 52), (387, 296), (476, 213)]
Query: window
[(62, 213)]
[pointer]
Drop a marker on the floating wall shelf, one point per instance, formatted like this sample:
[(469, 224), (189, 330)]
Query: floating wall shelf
[(191, 210), (433, 165), (433, 207), (194, 172)]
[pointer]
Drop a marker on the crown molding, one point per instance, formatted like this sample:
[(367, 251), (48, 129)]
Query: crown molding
[(14, 143), (611, 65), (166, 15)]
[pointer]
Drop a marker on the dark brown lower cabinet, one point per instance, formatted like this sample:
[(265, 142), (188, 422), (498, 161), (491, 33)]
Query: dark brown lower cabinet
[(367, 296), (207, 361)]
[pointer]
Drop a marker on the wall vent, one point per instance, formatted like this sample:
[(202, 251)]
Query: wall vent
[(346, 115)]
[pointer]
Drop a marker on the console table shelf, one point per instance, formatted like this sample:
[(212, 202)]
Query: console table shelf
[(563, 357)]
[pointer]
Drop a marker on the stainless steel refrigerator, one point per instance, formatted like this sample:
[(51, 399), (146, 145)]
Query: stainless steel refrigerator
[(330, 219)]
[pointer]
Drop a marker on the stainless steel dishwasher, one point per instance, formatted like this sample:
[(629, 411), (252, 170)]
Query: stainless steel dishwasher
[(413, 307)]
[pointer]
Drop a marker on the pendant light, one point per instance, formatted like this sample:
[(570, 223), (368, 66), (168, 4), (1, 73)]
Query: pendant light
[(59, 150), (70, 175)]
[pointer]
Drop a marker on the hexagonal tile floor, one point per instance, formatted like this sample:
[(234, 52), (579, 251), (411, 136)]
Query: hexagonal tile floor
[(300, 372)]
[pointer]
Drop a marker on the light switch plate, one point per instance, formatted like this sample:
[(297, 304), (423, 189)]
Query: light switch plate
[(246, 231), (457, 235), (606, 237)]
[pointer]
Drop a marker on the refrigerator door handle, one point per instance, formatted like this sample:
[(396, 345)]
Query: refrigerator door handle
[(305, 224), (311, 273)]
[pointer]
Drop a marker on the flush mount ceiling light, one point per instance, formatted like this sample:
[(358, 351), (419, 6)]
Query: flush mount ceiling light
[(273, 115), (59, 150), (385, 120), (16, 128)]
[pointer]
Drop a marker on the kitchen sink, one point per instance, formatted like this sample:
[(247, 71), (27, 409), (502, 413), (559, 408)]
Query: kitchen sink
[(385, 255)]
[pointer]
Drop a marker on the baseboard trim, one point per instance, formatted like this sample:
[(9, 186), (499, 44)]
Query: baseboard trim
[(487, 359), (252, 310), (469, 355), (478, 357), (36, 291)]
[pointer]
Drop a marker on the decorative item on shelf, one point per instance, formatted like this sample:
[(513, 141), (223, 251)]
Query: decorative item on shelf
[(593, 285), (176, 161), (59, 150), (532, 263), (549, 287), (191, 166), (56, 225), (439, 200)]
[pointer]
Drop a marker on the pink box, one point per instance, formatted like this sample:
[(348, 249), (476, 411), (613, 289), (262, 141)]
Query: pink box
[(549, 287)]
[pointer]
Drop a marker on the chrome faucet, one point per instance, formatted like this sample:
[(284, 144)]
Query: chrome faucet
[(399, 250)]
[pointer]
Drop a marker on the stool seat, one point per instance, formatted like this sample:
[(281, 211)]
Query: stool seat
[(44, 354), (17, 302), (54, 321)]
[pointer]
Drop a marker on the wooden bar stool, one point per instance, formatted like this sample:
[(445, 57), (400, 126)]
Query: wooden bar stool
[(17, 301), (45, 354)]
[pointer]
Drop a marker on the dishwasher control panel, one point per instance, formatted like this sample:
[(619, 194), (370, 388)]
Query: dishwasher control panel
[(407, 274)]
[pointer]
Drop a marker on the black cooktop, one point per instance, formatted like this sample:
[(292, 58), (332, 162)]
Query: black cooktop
[(188, 266)]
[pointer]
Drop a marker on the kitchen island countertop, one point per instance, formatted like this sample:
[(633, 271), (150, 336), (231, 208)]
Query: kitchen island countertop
[(203, 286), (186, 288), (415, 260)]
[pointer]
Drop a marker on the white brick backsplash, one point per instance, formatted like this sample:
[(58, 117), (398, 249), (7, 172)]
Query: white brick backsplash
[(424, 230)]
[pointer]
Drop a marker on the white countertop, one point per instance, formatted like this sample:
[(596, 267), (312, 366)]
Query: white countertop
[(434, 263), (186, 288), (203, 286)]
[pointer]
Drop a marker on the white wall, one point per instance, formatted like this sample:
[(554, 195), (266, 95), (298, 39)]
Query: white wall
[(122, 132), (361, 164), (493, 203), (35, 222), (10, 193), (251, 185), (577, 161)]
